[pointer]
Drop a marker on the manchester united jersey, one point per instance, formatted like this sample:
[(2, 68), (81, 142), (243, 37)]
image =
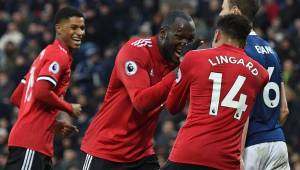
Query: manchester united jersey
[(53, 65), (123, 129), (221, 84)]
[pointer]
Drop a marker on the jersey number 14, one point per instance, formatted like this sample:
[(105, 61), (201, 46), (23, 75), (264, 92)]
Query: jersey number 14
[(228, 101)]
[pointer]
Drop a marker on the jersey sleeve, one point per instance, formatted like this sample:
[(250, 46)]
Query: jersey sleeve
[(16, 96), (180, 90), (131, 65), (43, 93), (53, 67)]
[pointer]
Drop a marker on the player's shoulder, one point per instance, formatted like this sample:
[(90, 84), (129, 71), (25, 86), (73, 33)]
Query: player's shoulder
[(260, 45), (260, 68), (56, 49), (138, 42), (195, 54), (54, 52), (253, 37), (260, 50), (194, 58), (136, 49)]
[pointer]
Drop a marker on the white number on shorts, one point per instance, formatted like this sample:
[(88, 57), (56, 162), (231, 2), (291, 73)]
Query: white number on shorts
[(228, 101)]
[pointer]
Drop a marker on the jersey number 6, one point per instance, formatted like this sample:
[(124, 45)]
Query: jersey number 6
[(271, 86)]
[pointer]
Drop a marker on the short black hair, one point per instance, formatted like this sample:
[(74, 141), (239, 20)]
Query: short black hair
[(248, 8), (66, 13), (234, 26), (171, 17)]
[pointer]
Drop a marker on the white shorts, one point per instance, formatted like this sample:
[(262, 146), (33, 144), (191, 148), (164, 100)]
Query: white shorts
[(265, 156)]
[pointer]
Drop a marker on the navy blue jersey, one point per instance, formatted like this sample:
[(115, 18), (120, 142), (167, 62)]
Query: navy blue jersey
[(264, 123)]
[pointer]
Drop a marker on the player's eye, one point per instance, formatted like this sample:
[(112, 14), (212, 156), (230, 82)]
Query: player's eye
[(178, 37), (73, 27)]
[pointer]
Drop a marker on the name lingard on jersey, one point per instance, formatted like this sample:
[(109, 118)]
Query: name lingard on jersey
[(232, 60)]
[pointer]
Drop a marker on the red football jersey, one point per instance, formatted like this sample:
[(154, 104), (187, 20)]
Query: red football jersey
[(222, 84), (123, 129), (33, 128)]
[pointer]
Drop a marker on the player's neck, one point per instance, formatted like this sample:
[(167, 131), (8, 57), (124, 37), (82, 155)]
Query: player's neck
[(63, 44), (233, 43)]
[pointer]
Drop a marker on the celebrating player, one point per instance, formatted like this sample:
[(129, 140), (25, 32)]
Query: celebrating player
[(221, 84), (40, 94), (270, 109), (120, 135)]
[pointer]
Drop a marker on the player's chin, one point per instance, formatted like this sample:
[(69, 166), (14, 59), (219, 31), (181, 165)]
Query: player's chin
[(75, 45), (175, 59)]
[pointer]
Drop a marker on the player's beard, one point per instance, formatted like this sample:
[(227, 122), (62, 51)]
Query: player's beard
[(169, 55)]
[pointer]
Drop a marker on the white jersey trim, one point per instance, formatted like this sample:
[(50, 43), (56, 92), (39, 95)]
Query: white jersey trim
[(48, 79), (23, 81), (252, 32)]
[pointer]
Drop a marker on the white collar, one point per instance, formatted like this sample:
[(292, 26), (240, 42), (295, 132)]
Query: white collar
[(252, 32)]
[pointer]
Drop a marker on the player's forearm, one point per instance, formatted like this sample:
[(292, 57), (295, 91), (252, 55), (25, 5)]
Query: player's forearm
[(16, 96), (175, 102), (284, 110), (177, 97), (43, 92), (150, 98), (173, 107), (244, 137)]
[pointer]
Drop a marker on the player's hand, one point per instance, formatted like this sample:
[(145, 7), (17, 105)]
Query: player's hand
[(76, 109), (195, 44), (64, 129)]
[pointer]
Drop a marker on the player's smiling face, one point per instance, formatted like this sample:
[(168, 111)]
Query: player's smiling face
[(71, 31), (175, 37)]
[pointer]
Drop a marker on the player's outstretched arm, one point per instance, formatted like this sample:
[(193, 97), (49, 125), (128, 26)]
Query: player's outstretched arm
[(150, 97), (284, 110), (16, 96), (44, 93)]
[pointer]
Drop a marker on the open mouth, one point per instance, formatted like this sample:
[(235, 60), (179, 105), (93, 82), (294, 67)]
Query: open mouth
[(76, 41), (178, 52)]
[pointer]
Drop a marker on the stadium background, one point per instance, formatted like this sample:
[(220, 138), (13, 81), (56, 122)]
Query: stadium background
[(25, 29)]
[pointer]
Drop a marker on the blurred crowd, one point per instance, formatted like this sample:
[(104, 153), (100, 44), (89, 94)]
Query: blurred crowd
[(26, 27)]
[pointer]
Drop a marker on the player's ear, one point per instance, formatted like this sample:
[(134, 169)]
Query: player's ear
[(235, 9), (216, 39), (217, 36), (58, 29), (162, 33)]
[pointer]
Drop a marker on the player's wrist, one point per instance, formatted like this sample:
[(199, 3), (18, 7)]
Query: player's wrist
[(68, 108)]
